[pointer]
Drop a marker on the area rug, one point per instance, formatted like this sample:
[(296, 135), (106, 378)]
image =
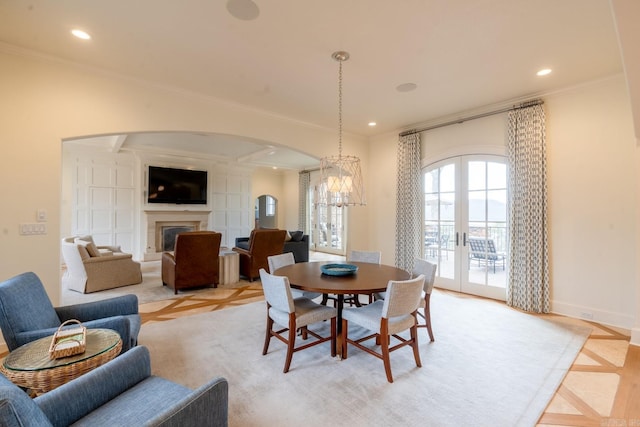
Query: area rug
[(150, 290), (489, 366)]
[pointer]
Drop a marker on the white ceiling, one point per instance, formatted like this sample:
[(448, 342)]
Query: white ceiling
[(461, 54)]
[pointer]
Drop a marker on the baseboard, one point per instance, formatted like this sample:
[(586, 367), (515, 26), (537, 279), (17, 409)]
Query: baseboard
[(607, 318), (635, 337)]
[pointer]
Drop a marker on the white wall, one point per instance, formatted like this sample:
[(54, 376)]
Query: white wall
[(592, 164), (44, 102), (291, 188), (593, 205)]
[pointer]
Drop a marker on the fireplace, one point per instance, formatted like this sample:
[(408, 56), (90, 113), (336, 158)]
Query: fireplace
[(168, 235), (162, 227)]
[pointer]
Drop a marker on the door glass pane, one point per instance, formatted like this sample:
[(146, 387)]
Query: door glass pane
[(477, 174), (477, 206), (328, 224), (440, 212), (447, 181), (497, 206), (497, 175), (487, 198)]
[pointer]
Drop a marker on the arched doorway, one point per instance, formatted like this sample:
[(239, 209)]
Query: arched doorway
[(266, 212)]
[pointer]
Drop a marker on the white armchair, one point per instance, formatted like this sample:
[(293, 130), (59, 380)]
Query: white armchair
[(92, 268)]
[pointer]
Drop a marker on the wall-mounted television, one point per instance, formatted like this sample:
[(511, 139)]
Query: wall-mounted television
[(177, 186)]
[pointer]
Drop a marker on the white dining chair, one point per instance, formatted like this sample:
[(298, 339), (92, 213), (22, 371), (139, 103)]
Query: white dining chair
[(372, 257), (428, 269), (386, 319), (293, 314), (278, 261)]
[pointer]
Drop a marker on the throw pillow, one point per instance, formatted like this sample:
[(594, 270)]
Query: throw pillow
[(91, 247), (287, 237), (296, 236), (87, 238)]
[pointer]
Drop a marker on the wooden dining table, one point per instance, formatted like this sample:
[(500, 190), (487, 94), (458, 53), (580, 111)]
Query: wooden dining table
[(369, 279)]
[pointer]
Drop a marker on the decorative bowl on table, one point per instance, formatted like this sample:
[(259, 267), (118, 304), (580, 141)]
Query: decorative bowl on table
[(338, 269)]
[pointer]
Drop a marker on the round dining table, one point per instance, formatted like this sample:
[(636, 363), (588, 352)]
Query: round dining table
[(368, 279)]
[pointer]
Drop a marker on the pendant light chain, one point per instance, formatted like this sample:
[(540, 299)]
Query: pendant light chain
[(340, 108)]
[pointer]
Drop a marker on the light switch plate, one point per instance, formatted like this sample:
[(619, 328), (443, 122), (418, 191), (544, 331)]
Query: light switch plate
[(33, 229)]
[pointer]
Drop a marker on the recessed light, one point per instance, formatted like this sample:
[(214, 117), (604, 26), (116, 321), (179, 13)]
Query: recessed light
[(81, 34), (372, 124), (274, 167), (245, 10), (406, 87), (544, 72)]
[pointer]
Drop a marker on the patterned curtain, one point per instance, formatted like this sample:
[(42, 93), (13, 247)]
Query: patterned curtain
[(409, 202), (528, 287), (304, 179)]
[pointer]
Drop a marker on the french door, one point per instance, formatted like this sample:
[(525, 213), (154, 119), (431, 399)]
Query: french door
[(465, 224), (328, 225)]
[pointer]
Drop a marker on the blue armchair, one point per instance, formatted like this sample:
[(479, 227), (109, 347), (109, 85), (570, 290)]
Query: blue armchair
[(26, 313), (120, 393)]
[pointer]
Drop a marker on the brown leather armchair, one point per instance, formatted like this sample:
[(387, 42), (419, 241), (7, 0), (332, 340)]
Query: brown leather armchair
[(262, 244), (194, 262)]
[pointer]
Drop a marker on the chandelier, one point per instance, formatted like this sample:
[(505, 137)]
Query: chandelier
[(340, 176)]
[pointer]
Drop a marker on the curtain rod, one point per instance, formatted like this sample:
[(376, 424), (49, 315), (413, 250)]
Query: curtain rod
[(477, 116), (309, 170)]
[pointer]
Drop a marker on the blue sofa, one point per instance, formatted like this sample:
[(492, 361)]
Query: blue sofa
[(120, 393)]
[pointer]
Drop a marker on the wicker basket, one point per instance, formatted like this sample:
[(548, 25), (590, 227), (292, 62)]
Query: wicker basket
[(68, 342)]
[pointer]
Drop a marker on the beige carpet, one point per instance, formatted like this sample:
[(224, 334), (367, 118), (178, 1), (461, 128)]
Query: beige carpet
[(489, 366)]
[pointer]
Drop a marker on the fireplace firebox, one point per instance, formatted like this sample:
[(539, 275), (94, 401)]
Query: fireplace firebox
[(169, 236), (162, 226)]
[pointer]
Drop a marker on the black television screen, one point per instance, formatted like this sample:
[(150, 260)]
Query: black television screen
[(177, 186)]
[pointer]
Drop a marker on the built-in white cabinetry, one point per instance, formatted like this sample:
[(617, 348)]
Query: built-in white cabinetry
[(104, 199), (107, 193), (231, 207)]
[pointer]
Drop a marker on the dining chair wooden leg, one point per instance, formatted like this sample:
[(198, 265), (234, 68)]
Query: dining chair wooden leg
[(267, 337), (384, 347), (427, 315), (333, 336), (343, 339), (291, 342), (326, 298), (414, 344)]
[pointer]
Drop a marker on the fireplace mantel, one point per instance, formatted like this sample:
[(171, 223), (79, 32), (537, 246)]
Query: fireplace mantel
[(156, 219)]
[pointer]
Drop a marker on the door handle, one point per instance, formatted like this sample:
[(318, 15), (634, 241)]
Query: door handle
[(457, 238), (464, 239)]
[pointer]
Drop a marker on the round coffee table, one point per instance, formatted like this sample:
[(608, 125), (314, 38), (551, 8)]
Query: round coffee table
[(29, 365)]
